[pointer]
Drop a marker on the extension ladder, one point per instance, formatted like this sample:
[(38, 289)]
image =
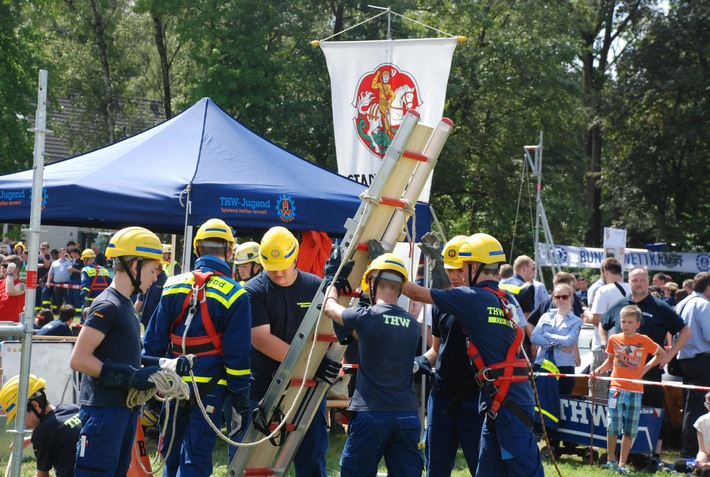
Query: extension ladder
[(387, 205)]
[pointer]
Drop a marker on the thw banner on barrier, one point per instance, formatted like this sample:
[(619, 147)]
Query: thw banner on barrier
[(585, 257), (373, 85)]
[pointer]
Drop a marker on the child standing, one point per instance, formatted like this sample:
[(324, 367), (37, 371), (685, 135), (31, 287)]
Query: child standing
[(626, 353), (702, 425)]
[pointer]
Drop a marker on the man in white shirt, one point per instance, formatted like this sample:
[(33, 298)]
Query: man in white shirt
[(59, 273), (694, 357), (611, 292)]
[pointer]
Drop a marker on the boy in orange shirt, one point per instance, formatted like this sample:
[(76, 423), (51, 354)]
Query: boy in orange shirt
[(627, 353)]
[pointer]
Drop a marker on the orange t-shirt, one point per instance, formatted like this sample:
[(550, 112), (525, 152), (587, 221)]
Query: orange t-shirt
[(629, 355)]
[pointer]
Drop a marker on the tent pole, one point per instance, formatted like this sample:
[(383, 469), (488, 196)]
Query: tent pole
[(187, 249), (187, 233), (27, 317), (173, 247)]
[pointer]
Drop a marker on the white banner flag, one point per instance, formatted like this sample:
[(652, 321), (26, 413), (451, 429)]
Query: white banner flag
[(374, 84), (586, 257)]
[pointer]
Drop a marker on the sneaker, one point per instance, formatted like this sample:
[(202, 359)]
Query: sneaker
[(612, 465), (652, 466), (623, 470)]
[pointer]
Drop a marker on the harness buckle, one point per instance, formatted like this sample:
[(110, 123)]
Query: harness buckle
[(193, 299), (491, 414)]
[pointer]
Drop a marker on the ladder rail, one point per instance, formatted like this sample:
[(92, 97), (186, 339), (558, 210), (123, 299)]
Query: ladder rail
[(382, 216)]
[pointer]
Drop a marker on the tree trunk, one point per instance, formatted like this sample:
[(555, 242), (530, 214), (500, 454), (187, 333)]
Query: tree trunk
[(159, 32), (100, 39)]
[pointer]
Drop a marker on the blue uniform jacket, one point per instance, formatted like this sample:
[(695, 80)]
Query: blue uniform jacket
[(230, 311), (478, 310)]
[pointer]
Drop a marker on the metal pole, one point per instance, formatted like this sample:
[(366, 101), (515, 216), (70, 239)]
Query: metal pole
[(389, 23), (538, 173), (27, 317)]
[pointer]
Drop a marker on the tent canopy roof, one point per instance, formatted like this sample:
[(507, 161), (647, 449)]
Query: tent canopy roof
[(204, 155)]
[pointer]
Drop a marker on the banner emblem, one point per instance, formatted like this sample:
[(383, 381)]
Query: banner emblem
[(285, 208), (382, 99)]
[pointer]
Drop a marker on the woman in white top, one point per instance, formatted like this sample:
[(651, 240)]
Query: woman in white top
[(558, 330)]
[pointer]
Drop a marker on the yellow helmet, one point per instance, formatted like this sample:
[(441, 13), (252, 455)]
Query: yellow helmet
[(8, 393), (481, 248), (167, 248), (88, 253), (278, 250), (135, 242), (149, 417), (450, 254), (386, 261), (214, 228), (247, 252)]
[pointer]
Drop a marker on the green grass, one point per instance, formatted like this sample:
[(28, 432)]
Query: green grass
[(569, 465)]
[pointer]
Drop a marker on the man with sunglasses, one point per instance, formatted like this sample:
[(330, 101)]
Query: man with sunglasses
[(12, 289)]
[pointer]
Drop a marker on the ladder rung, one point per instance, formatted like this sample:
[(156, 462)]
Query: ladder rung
[(325, 337), (258, 471), (415, 155), (363, 247), (287, 427), (310, 383), (393, 202)]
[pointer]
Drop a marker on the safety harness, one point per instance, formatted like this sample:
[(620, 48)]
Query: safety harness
[(495, 379), (197, 345), (99, 282)]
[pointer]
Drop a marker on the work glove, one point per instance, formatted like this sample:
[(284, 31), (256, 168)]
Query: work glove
[(422, 366), (334, 261), (374, 249), (180, 365), (119, 375), (430, 247), (331, 268), (328, 370), (240, 411)]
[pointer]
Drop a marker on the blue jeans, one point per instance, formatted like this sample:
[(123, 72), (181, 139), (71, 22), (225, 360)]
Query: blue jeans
[(372, 435), (508, 449), (194, 439), (106, 441), (444, 434)]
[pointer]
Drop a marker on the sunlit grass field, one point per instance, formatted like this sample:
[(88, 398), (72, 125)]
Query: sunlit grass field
[(569, 465)]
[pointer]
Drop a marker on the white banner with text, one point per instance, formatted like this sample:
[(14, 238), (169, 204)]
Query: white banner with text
[(585, 257)]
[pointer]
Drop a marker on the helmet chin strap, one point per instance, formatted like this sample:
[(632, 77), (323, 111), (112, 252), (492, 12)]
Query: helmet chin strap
[(472, 280), (40, 415), (135, 280)]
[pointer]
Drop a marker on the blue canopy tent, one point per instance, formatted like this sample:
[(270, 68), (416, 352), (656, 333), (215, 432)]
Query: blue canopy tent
[(203, 156)]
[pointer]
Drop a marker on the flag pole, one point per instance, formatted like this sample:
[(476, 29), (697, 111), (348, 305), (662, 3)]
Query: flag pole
[(389, 13)]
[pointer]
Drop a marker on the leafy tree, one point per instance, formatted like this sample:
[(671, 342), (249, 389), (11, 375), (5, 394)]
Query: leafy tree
[(603, 26), (657, 181), (508, 82), (19, 66)]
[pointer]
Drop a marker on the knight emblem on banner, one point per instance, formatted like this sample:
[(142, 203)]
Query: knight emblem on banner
[(382, 99), (373, 85)]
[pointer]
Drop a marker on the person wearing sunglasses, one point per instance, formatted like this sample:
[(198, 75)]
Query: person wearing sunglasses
[(557, 333)]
